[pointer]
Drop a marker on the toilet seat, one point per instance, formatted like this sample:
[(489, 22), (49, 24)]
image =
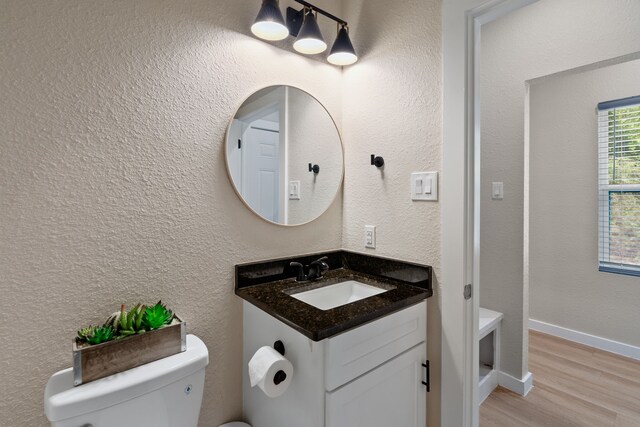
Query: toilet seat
[(235, 424)]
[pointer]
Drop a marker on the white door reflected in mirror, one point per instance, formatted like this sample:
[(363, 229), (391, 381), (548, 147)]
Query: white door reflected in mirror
[(273, 138)]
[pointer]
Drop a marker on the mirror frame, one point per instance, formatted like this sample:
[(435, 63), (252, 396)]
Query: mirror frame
[(226, 159)]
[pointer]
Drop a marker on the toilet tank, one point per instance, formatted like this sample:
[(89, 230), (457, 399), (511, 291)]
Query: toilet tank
[(164, 393)]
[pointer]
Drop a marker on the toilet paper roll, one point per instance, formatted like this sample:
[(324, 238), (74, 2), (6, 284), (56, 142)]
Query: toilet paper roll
[(263, 367)]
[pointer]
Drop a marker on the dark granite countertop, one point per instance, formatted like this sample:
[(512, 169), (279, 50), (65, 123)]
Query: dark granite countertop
[(274, 297)]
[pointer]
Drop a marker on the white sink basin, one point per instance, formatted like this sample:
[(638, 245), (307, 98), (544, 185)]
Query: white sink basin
[(328, 297)]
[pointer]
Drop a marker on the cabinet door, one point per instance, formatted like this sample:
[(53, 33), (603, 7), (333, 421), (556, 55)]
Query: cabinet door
[(356, 352), (392, 395)]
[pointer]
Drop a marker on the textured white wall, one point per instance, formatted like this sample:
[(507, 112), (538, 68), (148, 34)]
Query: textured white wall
[(546, 37), (392, 108), (566, 288), (112, 179)]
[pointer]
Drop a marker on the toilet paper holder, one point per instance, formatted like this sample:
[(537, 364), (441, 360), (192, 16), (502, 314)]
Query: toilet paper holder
[(280, 375), (279, 347)]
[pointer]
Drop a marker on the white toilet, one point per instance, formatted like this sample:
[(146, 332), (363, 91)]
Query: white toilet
[(164, 393)]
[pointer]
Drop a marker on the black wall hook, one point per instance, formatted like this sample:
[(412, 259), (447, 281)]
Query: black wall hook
[(377, 161), (314, 168)]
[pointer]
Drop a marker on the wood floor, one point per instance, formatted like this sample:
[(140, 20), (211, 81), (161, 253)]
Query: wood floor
[(574, 385)]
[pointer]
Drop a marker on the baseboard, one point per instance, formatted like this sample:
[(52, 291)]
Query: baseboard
[(586, 339), (487, 385), (521, 386)]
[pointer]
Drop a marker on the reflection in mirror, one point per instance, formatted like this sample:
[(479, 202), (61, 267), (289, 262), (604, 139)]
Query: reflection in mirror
[(274, 143)]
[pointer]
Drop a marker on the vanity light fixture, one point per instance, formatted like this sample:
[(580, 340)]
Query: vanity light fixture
[(342, 52), (269, 24), (310, 40), (303, 24)]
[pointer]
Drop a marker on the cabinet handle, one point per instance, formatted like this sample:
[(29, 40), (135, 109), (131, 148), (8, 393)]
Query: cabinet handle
[(428, 382)]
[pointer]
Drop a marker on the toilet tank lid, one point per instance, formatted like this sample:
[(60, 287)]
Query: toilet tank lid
[(62, 400)]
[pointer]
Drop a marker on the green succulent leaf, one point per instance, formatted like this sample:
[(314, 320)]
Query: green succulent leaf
[(138, 318), (130, 322), (123, 318), (157, 316)]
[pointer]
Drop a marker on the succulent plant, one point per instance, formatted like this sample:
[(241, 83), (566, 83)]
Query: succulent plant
[(96, 334), (85, 333), (121, 324), (101, 334), (130, 322), (113, 320), (157, 316)]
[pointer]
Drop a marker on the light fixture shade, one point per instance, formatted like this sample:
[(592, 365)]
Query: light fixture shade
[(342, 51), (310, 40), (269, 24)]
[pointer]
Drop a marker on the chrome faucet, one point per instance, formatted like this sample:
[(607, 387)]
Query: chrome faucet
[(315, 270)]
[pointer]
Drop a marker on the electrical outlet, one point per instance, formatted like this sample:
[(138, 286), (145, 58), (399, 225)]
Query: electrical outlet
[(370, 236)]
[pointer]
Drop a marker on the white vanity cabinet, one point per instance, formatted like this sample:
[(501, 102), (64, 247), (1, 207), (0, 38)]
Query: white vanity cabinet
[(371, 375)]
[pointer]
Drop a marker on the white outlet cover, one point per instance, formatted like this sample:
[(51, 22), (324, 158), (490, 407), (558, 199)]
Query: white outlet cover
[(370, 236)]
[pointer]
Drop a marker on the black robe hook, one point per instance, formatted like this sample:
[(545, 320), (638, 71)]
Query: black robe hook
[(377, 161)]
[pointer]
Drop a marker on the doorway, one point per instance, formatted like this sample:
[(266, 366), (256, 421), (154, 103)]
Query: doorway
[(463, 22)]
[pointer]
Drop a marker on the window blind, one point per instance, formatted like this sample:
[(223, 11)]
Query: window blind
[(619, 186)]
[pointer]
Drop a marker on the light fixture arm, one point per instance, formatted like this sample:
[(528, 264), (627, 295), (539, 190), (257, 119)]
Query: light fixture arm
[(296, 17), (322, 12)]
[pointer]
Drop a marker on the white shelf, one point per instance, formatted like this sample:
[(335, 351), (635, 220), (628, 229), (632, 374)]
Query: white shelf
[(488, 376), (489, 319)]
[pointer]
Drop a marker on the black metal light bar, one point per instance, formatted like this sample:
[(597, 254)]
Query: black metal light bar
[(322, 12), (296, 17)]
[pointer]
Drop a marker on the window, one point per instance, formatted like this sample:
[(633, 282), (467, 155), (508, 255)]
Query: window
[(619, 186)]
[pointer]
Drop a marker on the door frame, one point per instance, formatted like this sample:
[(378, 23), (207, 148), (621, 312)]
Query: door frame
[(460, 206)]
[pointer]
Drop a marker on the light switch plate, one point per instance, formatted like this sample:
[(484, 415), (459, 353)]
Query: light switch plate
[(370, 236), (424, 186), (294, 190), (497, 190)]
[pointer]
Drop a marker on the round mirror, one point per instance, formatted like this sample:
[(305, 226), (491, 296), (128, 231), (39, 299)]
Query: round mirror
[(284, 155)]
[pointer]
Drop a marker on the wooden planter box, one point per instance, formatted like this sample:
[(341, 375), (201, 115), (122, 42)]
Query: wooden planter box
[(92, 362)]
